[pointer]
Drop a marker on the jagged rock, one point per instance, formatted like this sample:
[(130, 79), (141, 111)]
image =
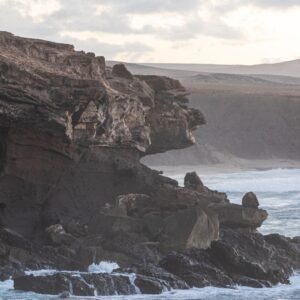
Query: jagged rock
[(120, 70), (193, 181), (59, 236), (264, 259), (148, 285), (250, 200), (168, 280), (236, 258), (196, 269), (80, 285)]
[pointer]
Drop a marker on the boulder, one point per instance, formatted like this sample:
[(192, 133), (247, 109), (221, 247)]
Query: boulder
[(190, 228), (250, 200), (193, 181), (237, 216)]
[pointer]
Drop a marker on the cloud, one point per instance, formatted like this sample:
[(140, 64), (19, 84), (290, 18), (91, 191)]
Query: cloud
[(37, 10), (275, 3), (231, 5), (153, 6), (133, 50), (116, 16), (139, 28)]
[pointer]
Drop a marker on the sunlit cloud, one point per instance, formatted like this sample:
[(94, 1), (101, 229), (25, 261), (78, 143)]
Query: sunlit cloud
[(203, 31)]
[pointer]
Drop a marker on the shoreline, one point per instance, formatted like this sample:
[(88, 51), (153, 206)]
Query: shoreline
[(232, 167)]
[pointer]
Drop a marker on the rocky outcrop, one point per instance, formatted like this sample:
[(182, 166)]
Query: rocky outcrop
[(237, 258), (73, 190), (193, 181), (80, 285), (250, 200)]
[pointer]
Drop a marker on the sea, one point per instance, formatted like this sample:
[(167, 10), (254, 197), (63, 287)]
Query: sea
[(278, 192)]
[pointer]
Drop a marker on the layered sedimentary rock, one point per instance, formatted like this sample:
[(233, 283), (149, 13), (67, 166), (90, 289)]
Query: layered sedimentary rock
[(73, 190)]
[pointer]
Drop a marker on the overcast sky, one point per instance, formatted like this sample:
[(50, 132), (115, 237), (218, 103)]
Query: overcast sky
[(179, 31)]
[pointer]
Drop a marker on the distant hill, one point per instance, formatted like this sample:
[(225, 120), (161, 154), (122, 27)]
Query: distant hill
[(249, 116), (288, 68), (149, 70)]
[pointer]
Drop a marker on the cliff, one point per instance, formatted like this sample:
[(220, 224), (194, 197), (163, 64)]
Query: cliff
[(73, 190)]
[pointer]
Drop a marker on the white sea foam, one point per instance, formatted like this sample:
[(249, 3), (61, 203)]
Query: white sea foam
[(103, 267), (279, 292), (45, 272), (277, 180)]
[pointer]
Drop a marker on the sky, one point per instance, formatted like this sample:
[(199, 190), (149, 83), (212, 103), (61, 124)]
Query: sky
[(164, 31)]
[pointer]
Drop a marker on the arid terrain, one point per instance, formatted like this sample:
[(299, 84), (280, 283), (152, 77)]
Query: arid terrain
[(253, 121)]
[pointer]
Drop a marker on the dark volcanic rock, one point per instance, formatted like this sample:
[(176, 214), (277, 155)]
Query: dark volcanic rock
[(193, 181), (250, 200), (255, 256), (237, 258), (167, 279), (149, 285), (76, 284)]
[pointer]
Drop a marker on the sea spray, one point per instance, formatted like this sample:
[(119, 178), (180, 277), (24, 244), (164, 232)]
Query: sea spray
[(103, 267)]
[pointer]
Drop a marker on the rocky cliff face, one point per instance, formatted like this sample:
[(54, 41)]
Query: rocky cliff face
[(73, 191), (63, 114)]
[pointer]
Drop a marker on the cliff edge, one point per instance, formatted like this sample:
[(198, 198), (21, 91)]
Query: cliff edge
[(73, 191)]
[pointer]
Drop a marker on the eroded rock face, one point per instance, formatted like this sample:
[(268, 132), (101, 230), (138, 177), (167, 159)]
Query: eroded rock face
[(73, 190), (64, 114), (72, 94)]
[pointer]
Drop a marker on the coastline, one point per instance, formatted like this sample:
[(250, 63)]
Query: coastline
[(234, 166)]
